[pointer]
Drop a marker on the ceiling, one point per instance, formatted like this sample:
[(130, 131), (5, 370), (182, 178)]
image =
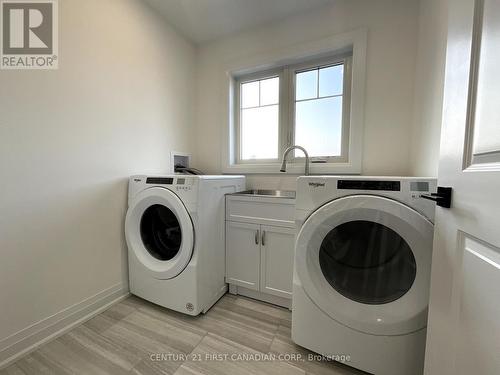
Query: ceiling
[(206, 20)]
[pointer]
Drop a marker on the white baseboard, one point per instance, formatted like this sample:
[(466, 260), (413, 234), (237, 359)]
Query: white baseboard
[(28, 339), (269, 298)]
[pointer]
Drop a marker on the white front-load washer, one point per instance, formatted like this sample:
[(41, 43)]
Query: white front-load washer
[(362, 270), (174, 229)]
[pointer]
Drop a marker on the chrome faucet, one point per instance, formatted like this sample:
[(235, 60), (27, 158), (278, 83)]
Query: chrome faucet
[(285, 154)]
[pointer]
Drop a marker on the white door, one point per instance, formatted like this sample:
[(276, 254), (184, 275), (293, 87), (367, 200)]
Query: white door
[(464, 311), (277, 253), (243, 254)]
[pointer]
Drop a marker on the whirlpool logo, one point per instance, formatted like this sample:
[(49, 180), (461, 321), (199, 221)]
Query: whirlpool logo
[(29, 34), (317, 184)]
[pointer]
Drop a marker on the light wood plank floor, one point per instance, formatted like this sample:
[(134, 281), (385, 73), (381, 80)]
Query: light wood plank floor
[(137, 337)]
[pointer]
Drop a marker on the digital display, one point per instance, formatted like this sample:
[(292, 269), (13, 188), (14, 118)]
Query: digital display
[(368, 185), (419, 186), (160, 180), (181, 181)]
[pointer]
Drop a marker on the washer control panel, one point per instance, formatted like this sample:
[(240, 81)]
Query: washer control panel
[(183, 184)]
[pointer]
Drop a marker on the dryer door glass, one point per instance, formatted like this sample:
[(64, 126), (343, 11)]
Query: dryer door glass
[(367, 262), (161, 232)]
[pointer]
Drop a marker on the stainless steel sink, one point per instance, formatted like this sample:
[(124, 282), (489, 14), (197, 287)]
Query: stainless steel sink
[(268, 193)]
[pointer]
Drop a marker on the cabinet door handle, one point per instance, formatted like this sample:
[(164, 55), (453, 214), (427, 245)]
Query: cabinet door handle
[(257, 237), (263, 240)]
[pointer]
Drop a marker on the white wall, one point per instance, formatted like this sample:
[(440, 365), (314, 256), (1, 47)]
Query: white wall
[(392, 44), (69, 139), (429, 87)]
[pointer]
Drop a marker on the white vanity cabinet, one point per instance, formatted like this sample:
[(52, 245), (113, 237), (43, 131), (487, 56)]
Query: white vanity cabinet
[(276, 260), (243, 254), (260, 241)]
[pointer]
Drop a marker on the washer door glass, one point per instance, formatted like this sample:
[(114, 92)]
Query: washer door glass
[(161, 232), (367, 262)]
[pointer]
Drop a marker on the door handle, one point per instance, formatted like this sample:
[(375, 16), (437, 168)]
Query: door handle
[(263, 239), (257, 237), (442, 197)]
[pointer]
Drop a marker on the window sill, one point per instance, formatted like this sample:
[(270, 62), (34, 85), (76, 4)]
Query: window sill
[(293, 168)]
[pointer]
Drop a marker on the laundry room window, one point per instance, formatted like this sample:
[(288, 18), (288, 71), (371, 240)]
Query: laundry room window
[(310, 94), (321, 109), (306, 104), (258, 112)]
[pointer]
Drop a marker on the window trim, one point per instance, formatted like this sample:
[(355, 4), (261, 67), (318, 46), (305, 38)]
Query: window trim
[(271, 59)]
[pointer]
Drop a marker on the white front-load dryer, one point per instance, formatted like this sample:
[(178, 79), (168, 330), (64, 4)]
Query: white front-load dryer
[(362, 271), (174, 229)]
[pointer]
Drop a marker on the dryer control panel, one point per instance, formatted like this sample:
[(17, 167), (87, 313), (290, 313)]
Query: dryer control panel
[(182, 185), (314, 191)]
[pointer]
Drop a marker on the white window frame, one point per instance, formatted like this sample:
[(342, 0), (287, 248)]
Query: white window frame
[(346, 60), (257, 76), (287, 103), (313, 53)]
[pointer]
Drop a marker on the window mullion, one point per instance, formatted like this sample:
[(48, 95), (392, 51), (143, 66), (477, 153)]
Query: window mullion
[(285, 139), (260, 82), (291, 112), (290, 104), (317, 83)]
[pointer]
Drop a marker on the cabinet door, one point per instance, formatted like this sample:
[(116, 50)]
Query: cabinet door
[(243, 254), (277, 255)]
